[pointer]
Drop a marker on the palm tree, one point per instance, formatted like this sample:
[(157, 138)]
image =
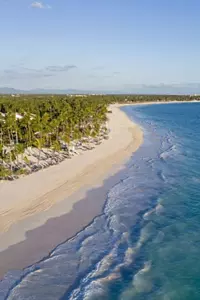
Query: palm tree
[(47, 121)]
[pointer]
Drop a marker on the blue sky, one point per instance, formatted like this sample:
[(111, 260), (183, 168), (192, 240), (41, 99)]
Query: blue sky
[(99, 44)]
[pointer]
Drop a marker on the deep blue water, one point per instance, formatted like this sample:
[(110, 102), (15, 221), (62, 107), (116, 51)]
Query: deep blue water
[(146, 243)]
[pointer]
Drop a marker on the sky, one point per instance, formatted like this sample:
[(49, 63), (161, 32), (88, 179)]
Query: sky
[(118, 45)]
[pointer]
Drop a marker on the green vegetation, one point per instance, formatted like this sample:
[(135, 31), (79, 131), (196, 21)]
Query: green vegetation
[(40, 130), (146, 98), (29, 125)]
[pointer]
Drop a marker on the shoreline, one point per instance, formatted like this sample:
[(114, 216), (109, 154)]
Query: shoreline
[(36, 201), (57, 230), (159, 102), (58, 215)]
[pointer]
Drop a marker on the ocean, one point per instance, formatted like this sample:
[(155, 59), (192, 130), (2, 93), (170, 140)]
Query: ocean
[(146, 242)]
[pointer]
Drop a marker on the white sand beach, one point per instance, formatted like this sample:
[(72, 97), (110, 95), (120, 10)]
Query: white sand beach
[(41, 210), (39, 192)]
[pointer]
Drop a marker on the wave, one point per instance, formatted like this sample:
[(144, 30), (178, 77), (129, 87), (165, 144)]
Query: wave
[(85, 266), (169, 152)]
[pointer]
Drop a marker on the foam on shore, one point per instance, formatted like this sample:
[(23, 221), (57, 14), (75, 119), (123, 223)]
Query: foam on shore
[(29, 202)]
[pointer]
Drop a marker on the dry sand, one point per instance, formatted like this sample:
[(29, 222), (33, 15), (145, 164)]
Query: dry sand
[(41, 198), (39, 191), (46, 208)]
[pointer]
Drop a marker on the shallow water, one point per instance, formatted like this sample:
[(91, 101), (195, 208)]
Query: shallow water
[(146, 243)]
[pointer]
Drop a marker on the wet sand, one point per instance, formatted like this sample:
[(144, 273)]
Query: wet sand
[(42, 210), (42, 240), (31, 227)]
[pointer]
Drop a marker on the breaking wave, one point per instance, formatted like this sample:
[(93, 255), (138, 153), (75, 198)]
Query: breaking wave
[(109, 250)]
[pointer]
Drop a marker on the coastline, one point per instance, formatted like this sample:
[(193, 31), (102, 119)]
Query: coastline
[(159, 102), (36, 202), (59, 214)]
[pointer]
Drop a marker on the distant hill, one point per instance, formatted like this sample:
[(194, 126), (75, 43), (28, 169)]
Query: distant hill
[(6, 90), (162, 89)]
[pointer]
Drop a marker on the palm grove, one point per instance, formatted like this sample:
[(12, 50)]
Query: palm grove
[(38, 126), (39, 130)]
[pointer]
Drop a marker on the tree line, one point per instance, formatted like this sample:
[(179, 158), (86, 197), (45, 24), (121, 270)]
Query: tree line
[(46, 121)]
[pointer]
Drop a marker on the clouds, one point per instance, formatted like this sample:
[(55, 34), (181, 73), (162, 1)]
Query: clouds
[(65, 68), (10, 75), (40, 5), (63, 75), (22, 73)]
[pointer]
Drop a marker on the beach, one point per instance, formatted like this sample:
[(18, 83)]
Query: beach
[(55, 203), (122, 226)]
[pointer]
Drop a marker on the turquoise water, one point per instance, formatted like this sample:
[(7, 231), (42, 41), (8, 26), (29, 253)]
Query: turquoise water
[(146, 242), (170, 255)]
